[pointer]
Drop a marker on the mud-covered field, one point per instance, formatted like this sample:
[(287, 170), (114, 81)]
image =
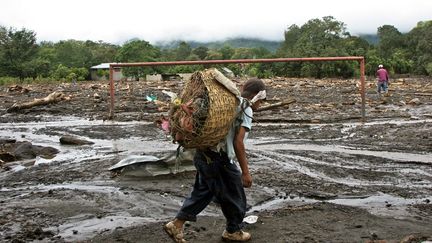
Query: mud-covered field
[(320, 173)]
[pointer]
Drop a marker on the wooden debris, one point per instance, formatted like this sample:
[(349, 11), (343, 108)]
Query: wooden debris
[(7, 140), (17, 88), (423, 94), (162, 106), (7, 157), (54, 97), (276, 105), (70, 140), (415, 101)]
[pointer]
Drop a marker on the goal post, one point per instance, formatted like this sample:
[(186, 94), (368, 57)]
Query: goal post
[(359, 59)]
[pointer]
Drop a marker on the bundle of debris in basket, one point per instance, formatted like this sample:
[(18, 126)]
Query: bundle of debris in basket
[(204, 112)]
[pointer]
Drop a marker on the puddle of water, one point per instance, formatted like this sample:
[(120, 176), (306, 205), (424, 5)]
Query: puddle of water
[(134, 145), (381, 204), (288, 162), (84, 227), (376, 200), (137, 145), (414, 171), (67, 121), (347, 125), (18, 168), (70, 186), (291, 165), (81, 187), (101, 149)]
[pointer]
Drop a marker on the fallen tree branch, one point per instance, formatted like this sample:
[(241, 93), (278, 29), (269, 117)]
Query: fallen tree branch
[(276, 105), (54, 97), (423, 94)]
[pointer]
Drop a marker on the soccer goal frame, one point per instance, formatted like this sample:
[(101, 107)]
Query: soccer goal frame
[(359, 59)]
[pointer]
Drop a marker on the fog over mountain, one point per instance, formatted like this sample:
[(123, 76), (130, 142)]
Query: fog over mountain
[(202, 21)]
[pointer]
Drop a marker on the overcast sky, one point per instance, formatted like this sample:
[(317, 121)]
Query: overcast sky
[(202, 20)]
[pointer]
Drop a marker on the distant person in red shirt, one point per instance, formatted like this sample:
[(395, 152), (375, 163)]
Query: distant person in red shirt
[(383, 79)]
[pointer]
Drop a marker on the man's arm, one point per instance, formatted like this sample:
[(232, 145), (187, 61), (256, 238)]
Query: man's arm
[(240, 151)]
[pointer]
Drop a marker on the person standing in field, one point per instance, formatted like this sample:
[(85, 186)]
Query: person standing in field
[(218, 177), (383, 79)]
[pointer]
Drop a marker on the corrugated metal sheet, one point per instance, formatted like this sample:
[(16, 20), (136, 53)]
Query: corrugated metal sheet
[(103, 65)]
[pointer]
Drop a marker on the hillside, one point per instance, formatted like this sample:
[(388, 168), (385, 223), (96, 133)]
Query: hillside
[(245, 42), (371, 38), (233, 42)]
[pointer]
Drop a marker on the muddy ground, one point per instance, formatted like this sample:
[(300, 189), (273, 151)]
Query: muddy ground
[(320, 173)]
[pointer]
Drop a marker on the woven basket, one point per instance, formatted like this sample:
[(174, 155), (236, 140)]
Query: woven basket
[(220, 112)]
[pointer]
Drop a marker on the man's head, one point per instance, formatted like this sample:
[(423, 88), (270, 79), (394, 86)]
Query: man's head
[(251, 88), (380, 66)]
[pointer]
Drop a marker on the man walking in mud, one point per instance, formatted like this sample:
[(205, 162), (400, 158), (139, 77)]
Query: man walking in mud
[(383, 79), (218, 176)]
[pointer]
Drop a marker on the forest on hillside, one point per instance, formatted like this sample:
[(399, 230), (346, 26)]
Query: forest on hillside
[(22, 58), (272, 46)]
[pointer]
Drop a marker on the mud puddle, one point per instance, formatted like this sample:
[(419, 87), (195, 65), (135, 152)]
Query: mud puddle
[(399, 156), (86, 226), (121, 208), (381, 204), (36, 133)]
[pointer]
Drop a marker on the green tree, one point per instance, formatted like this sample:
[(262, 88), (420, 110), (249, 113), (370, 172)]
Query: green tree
[(17, 50), (419, 42), (243, 53), (214, 55), (400, 62), (227, 52), (390, 39), (183, 51), (60, 73), (193, 57), (3, 36), (39, 68), (80, 73), (372, 61), (72, 53), (429, 68), (101, 52), (63, 73), (201, 52), (47, 56), (138, 51), (318, 37), (103, 74), (168, 54), (292, 35), (260, 52), (356, 46)]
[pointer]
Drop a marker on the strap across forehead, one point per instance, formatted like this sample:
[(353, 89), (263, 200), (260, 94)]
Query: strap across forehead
[(260, 96)]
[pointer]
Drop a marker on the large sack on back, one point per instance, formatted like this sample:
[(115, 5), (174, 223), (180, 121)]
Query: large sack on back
[(205, 110)]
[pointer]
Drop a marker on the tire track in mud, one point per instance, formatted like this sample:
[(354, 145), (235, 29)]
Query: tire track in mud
[(366, 181), (396, 157), (304, 165), (104, 206)]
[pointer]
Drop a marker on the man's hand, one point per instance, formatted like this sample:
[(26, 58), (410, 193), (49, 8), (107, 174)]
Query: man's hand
[(247, 180), (239, 149)]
